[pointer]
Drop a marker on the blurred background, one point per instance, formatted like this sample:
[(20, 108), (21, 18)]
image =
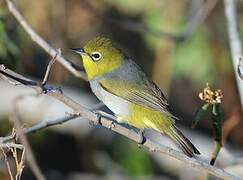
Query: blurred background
[(182, 45)]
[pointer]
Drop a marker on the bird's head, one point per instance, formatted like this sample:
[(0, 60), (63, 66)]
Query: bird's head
[(100, 56)]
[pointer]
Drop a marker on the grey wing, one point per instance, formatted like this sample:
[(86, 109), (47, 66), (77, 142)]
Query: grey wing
[(153, 98), (146, 92)]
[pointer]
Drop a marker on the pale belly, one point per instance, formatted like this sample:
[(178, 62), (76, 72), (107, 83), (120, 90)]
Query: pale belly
[(126, 112), (117, 105)]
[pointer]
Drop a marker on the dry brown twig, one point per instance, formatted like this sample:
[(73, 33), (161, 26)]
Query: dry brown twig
[(19, 164), (74, 69), (20, 131), (29, 154), (79, 110), (58, 54), (7, 164), (111, 124), (12, 147)]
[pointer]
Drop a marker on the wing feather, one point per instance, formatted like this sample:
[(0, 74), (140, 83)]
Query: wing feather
[(146, 94)]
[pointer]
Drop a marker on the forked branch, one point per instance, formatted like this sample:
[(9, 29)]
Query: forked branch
[(110, 124)]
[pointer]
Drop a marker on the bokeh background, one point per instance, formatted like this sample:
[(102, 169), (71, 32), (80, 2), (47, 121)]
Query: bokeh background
[(182, 45)]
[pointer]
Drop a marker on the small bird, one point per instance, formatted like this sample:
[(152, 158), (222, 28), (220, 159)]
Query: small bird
[(128, 92)]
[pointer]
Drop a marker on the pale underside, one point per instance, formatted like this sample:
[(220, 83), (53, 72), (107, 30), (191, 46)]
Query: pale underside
[(127, 111)]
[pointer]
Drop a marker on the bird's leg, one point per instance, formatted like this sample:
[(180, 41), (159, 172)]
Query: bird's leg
[(142, 138), (97, 106), (97, 119), (100, 114)]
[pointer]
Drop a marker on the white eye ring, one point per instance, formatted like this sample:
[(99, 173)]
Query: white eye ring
[(96, 56)]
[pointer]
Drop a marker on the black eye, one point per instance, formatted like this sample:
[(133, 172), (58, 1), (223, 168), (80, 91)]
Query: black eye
[(96, 56)]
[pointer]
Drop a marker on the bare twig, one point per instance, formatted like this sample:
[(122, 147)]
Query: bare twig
[(9, 81), (21, 164), (111, 124), (56, 93), (7, 163), (50, 65), (15, 155), (78, 72), (235, 42), (239, 68), (11, 145), (191, 26), (29, 154), (198, 19), (39, 127)]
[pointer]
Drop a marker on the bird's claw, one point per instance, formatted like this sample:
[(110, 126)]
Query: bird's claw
[(142, 138), (98, 118)]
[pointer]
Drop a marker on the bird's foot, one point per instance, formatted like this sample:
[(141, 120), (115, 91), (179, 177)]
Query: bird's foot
[(97, 119), (142, 138)]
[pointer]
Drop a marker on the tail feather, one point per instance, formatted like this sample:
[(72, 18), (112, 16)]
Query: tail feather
[(184, 144)]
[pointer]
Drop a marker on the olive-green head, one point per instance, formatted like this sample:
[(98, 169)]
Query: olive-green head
[(100, 56)]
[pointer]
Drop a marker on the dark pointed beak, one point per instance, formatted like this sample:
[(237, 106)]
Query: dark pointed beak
[(79, 51)]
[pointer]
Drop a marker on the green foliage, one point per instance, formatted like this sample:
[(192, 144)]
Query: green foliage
[(199, 114), (217, 117), (135, 161)]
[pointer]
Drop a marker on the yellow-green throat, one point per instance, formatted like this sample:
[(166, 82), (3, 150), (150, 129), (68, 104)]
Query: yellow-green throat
[(100, 56)]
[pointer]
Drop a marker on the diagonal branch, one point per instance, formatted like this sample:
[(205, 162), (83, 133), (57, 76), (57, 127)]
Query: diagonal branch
[(77, 71), (192, 25), (239, 68), (114, 126), (11, 145), (35, 128), (234, 40), (79, 110), (49, 66), (29, 154)]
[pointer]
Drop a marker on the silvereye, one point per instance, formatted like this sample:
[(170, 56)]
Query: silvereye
[(128, 92)]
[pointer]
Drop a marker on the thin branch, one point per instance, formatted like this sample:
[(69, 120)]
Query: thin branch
[(8, 80), (57, 93), (78, 72), (193, 23), (38, 127), (52, 61), (19, 130), (114, 126), (7, 164), (49, 123), (235, 42), (21, 164), (202, 13), (239, 68), (11, 145)]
